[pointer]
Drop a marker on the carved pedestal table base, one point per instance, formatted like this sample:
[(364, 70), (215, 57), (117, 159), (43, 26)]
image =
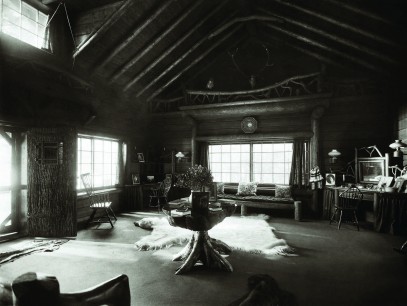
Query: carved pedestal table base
[(205, 249), (201, 247)]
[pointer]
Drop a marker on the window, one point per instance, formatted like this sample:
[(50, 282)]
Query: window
[(24, 22), (260, 162), (100, 158)]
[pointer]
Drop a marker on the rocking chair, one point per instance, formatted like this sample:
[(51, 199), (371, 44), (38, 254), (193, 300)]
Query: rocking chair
[(98, 202)]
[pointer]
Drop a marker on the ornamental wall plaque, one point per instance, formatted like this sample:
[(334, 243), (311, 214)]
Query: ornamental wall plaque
[(249, 125)]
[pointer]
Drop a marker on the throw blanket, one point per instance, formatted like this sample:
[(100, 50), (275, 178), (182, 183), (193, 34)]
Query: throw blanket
[(251, 234)]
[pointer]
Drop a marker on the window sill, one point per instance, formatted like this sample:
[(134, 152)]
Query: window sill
[(84, 195)]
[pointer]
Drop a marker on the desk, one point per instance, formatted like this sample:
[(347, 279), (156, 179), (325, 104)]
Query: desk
[(391, 213), (331, 195), (389, 209), (201, 247)]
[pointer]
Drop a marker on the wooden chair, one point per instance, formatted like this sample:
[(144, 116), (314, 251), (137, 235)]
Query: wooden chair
[(347, 204), (99, 202), (158, 195)]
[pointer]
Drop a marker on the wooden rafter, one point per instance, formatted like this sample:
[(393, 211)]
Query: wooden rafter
[(173, 65), (325, 47), (242, 19), (193, 63), (216, 57), (173, 46), (335, 38), (139, 55), (128, 40), (338, 23), (105, 27), (359, 11), (6, 136)]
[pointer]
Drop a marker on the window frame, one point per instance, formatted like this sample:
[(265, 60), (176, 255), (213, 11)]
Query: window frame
[(42, 41), (251, 163), (93, 138)]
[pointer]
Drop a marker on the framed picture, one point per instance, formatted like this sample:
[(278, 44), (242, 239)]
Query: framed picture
[(140, 157), (399, 184), (135, 178), (385, 181), (330, 179)]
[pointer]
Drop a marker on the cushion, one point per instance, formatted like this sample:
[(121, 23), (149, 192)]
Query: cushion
[(283, 191), (245, 189), (220, 187)]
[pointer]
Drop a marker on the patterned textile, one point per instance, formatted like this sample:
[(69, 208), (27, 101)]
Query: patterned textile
[(283, 191), (316, 178), (245, 189), (257, 198), (220, 187)]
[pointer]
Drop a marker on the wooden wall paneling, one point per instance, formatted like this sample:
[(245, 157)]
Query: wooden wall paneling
[(52, 187)]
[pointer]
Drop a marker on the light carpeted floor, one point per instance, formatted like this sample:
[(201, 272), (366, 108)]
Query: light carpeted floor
[(334, 267)]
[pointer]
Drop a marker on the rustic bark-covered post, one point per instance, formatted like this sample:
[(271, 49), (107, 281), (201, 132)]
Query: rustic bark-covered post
[(314, 146)]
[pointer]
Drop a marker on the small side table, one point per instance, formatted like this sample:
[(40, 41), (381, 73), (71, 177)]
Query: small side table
[(201, 247)]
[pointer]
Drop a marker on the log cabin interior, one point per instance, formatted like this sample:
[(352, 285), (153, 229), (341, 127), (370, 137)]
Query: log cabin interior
[(309, 94)]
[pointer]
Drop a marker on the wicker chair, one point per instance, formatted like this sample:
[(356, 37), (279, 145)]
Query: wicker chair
[(158, 195), (99, 202)]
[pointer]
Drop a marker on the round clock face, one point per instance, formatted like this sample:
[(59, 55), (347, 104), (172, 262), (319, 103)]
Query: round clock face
[(249, 125)]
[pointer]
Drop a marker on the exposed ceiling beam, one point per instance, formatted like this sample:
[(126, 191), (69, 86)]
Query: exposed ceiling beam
[(193, 63), (325, 47), (242, 19), (215, 58), (127, 41), (162, 74), (335, 38), (173, 46), (360, 11), (337, 23), (46, 2), (105, 27), (138, 56)]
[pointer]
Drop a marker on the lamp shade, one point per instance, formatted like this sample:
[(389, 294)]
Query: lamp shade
[(315, 175), (396, 145), (179, 155), (334, 153)]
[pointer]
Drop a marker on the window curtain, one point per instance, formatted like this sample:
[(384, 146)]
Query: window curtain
[(203, 154), (298, 177)]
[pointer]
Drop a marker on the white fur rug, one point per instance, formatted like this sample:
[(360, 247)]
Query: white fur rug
[(251, 234)]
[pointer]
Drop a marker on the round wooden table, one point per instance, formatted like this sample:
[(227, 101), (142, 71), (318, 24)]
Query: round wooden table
[(201, 247)]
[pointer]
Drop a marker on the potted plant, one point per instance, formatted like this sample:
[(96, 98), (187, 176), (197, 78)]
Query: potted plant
[(197, 178)]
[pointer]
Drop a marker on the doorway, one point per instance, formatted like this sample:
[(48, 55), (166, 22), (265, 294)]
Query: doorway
[(11, 189)]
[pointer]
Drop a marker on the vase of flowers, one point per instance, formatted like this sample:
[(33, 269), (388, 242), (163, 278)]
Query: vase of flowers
[(197, 178)]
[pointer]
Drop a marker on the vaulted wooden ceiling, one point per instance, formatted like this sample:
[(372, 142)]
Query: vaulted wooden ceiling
[(151, 49)]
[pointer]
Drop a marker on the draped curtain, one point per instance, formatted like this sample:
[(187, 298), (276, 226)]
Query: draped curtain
[(203, 154), (298, 177)]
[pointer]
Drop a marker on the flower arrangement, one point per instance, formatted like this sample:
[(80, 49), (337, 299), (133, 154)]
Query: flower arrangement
[(196, 178)]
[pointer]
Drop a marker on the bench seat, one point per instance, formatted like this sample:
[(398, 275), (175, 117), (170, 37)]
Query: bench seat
[(264, 199)]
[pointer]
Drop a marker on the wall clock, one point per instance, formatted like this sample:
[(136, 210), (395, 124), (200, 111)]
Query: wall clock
[(249, 125)]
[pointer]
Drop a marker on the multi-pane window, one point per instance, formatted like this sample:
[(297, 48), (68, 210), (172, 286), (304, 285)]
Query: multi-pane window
[(100, 158), (259, 162), (24, 22)]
